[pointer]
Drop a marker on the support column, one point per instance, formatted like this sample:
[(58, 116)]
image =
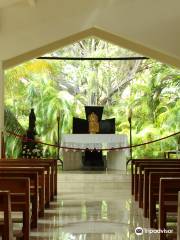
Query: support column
[(1, 101)]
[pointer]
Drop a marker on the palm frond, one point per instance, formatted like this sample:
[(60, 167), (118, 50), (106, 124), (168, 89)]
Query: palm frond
[(13, 144)]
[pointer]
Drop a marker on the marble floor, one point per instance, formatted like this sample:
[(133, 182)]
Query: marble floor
[(92, 206)]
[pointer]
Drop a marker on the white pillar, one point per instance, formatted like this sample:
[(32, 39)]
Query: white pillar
[(1, 101)]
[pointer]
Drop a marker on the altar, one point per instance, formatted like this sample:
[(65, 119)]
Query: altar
[(77, 143)]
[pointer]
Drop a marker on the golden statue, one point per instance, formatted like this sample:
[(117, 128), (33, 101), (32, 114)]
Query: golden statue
[(93, 123)]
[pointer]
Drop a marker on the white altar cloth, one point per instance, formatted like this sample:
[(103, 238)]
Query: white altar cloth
[(92, 141), (115, 159)]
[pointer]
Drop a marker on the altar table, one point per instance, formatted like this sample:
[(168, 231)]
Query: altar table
[(116, 159)]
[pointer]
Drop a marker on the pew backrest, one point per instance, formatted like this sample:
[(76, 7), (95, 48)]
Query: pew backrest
[(151, 181), (135, 164), (178, 221), (34, 190), (168, 200), (138, 181), (6, 228), (41, 180), (20, 199)]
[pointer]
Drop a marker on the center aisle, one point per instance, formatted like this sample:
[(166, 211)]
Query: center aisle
[(92, 206)]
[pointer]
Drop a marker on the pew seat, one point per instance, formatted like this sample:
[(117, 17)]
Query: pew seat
[(142, 166), (19, 189), (6, 227), (33, 176), (155, 182), (41, 180), (21, 163), (178, 219), (134, 168), (53, 165), (168, 201)]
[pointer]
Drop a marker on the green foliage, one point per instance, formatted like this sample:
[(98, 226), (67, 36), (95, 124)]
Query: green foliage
[(150, 88), (13, 144)]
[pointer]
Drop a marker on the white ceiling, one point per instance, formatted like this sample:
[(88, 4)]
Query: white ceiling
[(149, 27)]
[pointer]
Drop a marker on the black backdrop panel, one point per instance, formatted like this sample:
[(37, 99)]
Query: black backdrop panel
[(80, 125), (107, 126)]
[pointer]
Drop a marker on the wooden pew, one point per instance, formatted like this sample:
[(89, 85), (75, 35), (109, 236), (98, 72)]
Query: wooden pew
[(20, 199), (34, 186), (141, 176), (41, 180), (154, 184), (178, 222), (135, 173), (154, 180), (134, 164), (53, 165), (6, 227), (48, 190), (168, 200)]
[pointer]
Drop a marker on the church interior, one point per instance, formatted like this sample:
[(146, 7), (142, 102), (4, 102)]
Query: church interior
[(94, 188)]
